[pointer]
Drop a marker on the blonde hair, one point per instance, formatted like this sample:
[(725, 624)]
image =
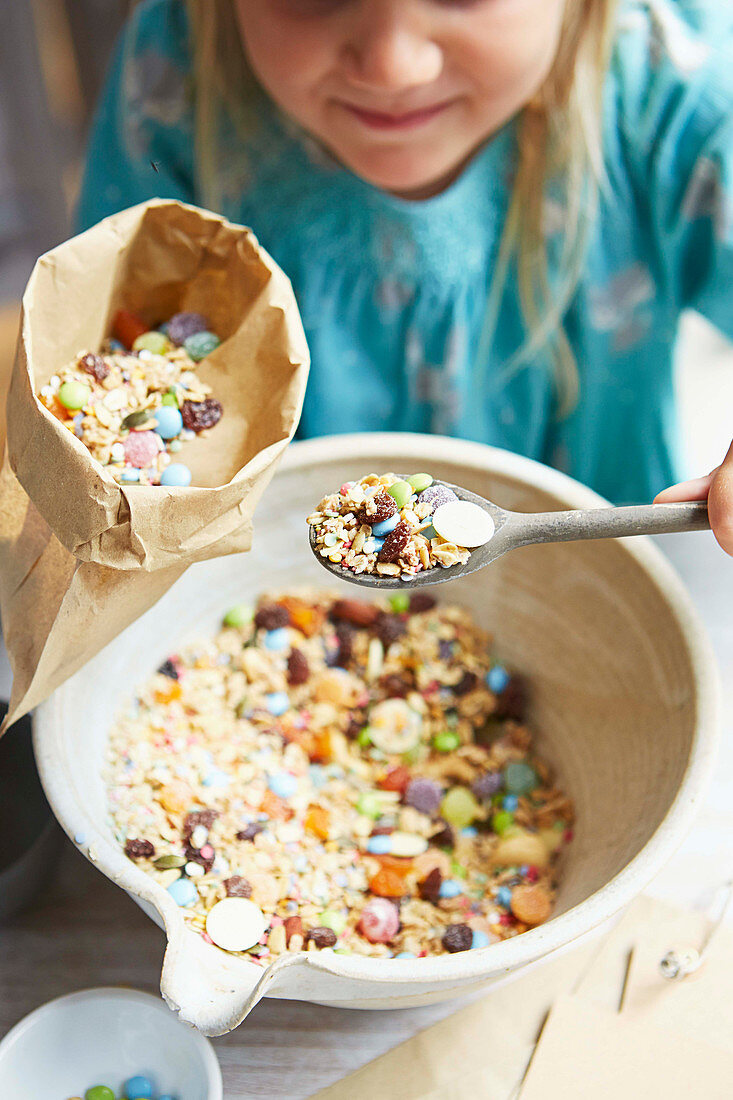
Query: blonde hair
[(559, 140)]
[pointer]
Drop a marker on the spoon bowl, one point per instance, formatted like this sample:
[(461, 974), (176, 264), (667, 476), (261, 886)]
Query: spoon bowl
[(515, 529)]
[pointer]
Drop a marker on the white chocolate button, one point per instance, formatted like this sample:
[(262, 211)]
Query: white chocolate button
[(394, 726), (407, 844), (463, 523), (236, 924)]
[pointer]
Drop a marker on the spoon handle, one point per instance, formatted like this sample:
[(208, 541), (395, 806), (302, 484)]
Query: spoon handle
[(602, 523)]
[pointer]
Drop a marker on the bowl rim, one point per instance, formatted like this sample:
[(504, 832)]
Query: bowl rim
[(205, 1050), (597, 907)]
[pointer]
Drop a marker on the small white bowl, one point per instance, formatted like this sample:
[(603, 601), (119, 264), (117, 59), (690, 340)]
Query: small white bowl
[(102, 1037)]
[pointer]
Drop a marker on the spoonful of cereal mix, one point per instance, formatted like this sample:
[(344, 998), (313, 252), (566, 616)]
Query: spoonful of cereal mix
[(135, 402), (388, 531), (337, 774)]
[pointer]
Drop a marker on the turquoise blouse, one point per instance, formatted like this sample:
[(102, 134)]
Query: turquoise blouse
[(393, 293)]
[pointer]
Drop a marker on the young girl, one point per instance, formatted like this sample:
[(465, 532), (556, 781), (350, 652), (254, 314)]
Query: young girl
[(492, 211)]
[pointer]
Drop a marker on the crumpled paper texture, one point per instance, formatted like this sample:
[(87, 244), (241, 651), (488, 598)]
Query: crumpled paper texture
[(81, 556)]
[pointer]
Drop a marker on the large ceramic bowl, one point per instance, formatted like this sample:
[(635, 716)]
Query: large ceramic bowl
[(624, 699)]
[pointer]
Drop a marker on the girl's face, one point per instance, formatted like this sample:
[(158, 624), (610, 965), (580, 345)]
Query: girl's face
[(401, 91)]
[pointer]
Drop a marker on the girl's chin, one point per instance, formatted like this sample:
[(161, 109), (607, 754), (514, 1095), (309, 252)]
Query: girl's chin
[(408, 178)]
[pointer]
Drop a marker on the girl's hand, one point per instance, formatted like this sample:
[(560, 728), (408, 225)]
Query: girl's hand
[(717, 487)]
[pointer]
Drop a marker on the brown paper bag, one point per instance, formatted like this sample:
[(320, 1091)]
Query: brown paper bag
[(81, 556)]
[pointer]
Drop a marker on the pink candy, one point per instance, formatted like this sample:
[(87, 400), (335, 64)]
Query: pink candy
[(141, 448), (380, 920), (344, 490)]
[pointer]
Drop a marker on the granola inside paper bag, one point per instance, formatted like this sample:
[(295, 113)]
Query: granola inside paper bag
[(82, 556)]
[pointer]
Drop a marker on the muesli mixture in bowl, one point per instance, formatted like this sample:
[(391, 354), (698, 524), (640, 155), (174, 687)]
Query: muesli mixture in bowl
[(331, 773), (135, 402), (395, 526)]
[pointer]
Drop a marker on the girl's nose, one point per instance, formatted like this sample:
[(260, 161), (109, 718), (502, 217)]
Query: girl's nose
[(387, 54)]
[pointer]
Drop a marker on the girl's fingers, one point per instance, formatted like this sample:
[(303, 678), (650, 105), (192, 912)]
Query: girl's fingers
[(720, 503), (695, 489)]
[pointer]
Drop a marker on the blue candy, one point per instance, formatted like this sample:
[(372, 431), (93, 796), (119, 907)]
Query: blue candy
[(176, 474), (318, 776), (497, 679), (428, 532), (277, 703), (379, 845), (167, 1097), (510, 803), (480, 939), (216, 778), (277, 639), (450, 888), (141, 1088), (169, 421), (406, 955), (283, 784), (387, 525), (378, 544), (183, 892), (504, 896), (469, 831), (130, 474)]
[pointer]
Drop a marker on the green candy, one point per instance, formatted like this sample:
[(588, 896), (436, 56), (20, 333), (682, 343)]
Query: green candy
[(155, 342), (370, 804), (175, 446), (201, 344), (399, 603), (418, 482), (74, 395), (520, 778), (400, 492), (364, 739), (459, 807), (169, 399), (99, 1092), (447, 741), (502, 821), (240, 615), (333, 920)]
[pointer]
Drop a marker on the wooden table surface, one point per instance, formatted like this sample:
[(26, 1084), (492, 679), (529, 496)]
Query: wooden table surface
[(84, 931)]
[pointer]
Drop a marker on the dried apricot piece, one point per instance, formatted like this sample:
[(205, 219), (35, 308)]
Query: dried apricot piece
[(275, 807), (174, 797), (387, 884), (127, 326), (169, 692), (396, 779), (398, 865), (305, 617), (531, 904), (318, 821)]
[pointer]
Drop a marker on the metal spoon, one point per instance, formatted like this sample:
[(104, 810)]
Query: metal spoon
[(515, 529)]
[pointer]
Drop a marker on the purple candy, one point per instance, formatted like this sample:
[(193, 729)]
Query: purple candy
[(486, 785), (183, 325), (424, 795), (436, 495)]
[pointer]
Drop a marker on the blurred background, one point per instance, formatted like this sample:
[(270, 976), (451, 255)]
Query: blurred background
[(53, 58)]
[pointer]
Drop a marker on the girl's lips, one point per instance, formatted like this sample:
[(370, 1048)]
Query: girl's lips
[(378, 120)]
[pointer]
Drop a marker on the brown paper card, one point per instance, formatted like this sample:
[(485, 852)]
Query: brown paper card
[(589, 1051), (699, 1005), (81, 556), (479, 1051)]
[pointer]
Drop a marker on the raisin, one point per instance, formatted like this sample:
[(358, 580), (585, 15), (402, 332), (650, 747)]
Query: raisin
[(355, 612), (468, 682), (395, 542), (250, 831), (139, 849), (345, 650), (444, 837), (199, 415), (293, 927), (512, 703), (420, 602), (94, 365), (297, 668), (384, 507), (204, 856), (457, 937), (397, 685), (168, 669), (445, 650), (357, 721), (322, 937), (389, 628), (237, 887), (382, 830), (430, 886), (272, 616), (198, 817)]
